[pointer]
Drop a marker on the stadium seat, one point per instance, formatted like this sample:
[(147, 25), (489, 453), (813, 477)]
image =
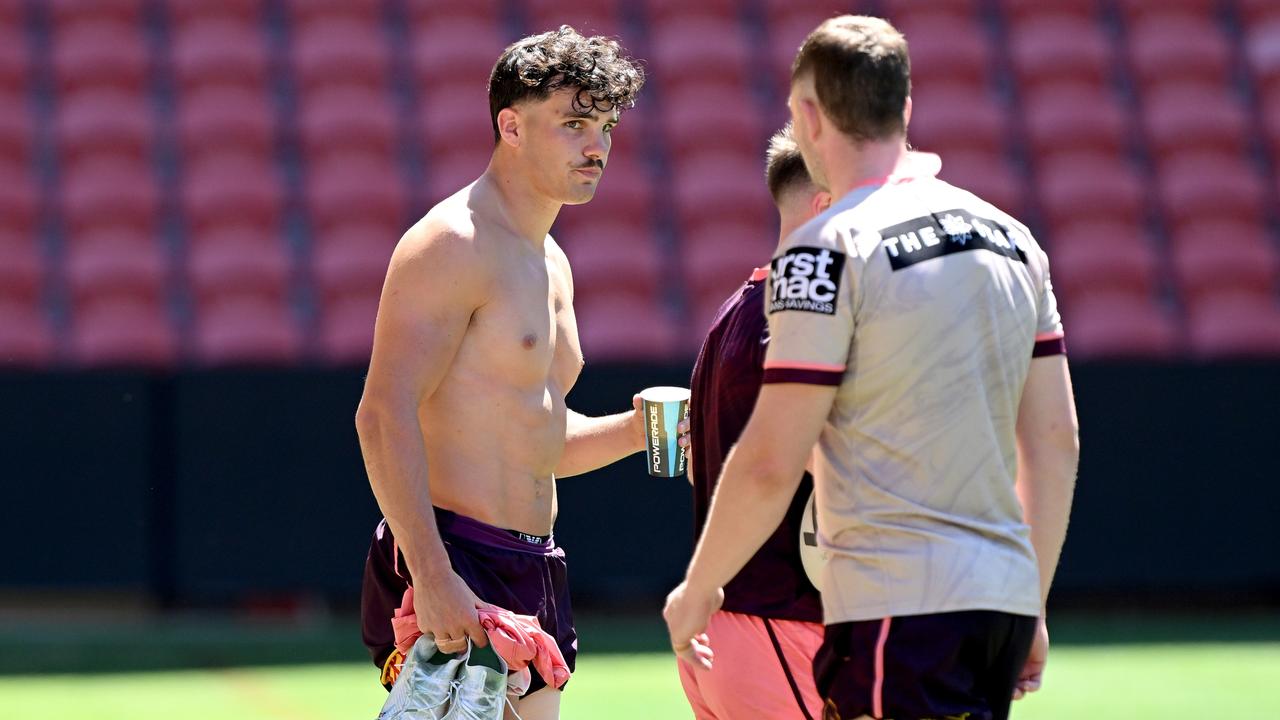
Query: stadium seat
[(346, 331), (991, 177), (239, 262), (1091, 188), (785, 37), (1269, 119), (948, 51), (663, 12), (348, 119), (17, 132), (247, 332), (452, 126), (226, 121), (700, 51), (1215, 257), (1139, 10), (624, 198), (1234, 325), (12, 13), (232, 191), (1262, 50), (1257, 12), (19, 199), (369, 191), (428, 12), (1019, 11), (96, 125), (67, 13), (221, 52), (26, 336), (945, 119), (1058, 49), (590, 17), (15, 64), (1118, 325), (718, 258), (22, 269), (623, 328), (450, 174), (1064, 121), (351, 261), (123, 333), (307, 12), (115, 265), (110, 194), (453, 52), (1104, 257), (904, 11), (1195, 118), (1178, 49), (1210, 187), (101, 55), (716, 187), (710, 118), (812, 12), (615, 259), (333, 52), (184, 13)]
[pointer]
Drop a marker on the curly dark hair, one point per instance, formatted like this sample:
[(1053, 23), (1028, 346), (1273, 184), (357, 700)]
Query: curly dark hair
[(534, 67)]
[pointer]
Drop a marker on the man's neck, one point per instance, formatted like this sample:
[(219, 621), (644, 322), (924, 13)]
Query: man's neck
[(517, 205), (852, 165)]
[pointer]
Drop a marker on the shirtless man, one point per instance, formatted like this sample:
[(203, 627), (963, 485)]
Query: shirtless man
[(463, 423)]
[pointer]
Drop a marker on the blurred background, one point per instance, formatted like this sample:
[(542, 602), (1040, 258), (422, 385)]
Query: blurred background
[(198, 199)]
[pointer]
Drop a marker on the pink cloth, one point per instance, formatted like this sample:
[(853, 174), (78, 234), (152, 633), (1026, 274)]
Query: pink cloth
[(518, 639)]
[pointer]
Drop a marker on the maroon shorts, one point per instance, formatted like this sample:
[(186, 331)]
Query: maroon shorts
[(515, 571), (923, 667)]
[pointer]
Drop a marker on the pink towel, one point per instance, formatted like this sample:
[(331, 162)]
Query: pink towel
[(518, 639)]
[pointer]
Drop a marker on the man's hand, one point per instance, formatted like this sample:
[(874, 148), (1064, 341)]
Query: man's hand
[(687, 612), (1032, 674), (682, 427), (446, 610)]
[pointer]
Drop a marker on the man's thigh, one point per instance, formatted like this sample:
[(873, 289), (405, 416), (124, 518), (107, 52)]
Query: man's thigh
[(541, 705)]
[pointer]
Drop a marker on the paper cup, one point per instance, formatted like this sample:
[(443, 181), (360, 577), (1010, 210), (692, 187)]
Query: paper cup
[(663, 408)]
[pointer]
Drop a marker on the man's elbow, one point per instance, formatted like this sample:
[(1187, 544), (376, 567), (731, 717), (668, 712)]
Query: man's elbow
[(371, 416)]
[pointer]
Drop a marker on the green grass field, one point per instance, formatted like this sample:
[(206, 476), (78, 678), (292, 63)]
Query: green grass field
[(1128, 672)]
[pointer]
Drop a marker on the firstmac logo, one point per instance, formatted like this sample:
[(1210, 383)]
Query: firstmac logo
[(807, 279)]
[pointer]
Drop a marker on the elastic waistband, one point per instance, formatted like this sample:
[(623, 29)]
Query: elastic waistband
[(461, 527)]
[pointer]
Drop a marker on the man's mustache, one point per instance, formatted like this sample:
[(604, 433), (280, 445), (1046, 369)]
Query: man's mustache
[(598, 164)]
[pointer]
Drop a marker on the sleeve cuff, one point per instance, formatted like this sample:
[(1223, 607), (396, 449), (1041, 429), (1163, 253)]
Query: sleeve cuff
[(1049, 346), (806, 376)]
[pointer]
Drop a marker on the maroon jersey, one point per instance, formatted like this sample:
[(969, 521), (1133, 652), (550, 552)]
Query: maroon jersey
[(726, 380)]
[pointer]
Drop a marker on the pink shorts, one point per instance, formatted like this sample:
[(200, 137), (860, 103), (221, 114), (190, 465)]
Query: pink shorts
[(747, 679)]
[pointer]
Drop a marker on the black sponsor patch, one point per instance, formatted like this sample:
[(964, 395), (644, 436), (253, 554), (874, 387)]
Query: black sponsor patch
[(944, 233), (806, 278)]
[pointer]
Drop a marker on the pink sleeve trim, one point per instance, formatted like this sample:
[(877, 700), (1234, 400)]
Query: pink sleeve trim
[(1041, 337), (877, 691), (789, 365)]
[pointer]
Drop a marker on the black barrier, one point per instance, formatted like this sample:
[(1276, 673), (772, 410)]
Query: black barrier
[(216, 487)]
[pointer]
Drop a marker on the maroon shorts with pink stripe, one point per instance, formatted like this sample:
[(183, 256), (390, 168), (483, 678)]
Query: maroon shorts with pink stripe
[(923, 667)]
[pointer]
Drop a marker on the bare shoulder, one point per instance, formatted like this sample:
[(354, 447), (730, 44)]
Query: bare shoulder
[(558, 259), (441, 249)]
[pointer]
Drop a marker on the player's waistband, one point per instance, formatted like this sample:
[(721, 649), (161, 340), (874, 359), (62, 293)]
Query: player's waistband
[(461, 527)]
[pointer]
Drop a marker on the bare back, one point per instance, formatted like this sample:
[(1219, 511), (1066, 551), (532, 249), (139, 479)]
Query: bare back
[(494, 427)]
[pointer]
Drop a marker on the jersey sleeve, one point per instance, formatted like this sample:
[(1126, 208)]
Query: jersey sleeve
[(1050, 338), (809, 306)]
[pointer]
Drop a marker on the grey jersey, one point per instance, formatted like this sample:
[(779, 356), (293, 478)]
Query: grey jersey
[(924, 305)]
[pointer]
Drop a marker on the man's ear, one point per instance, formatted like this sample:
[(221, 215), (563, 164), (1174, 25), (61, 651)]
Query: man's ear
[(906, 113), (821, 201), (509, 126), (812, 118)]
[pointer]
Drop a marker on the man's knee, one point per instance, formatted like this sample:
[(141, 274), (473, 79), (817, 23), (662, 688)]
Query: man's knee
[(541, 705)]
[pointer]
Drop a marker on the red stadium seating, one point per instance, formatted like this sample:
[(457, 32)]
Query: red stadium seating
[(456, 126), (345, 120), (346, 330), (719, 258), (19, 199), (456, 52), (945, 120), (1104, 257), (1091, 188), (1203, 187), (590, 17), (1118, 325), (110, 194), (948, 51), (184, 13), (115, 265), (677, 11), (247, 331), (1216, 257), (341, 52), (226, 121), (26, 336), (96, 125), (11, 13), (1235, 325), (351, 261), (124, 333), (812, 12), (623, 328), (624, 197), (990, 176), (239, 262), (1178, 49), (101, 55), (1061, 49), (15, 65), (699, 52), (1191, 118), (1257, 12), (1018, 11), (74, 12), (232, 191), (22, 270), (367, 191), (709, 118), (307, 12), (614, 259), (428, 12), (1262, 50), (17, 131), (1063, 121), (1203, 10), (221, 52), (716, 187)]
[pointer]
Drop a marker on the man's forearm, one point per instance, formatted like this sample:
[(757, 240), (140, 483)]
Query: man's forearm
[(591, 443), (1046, 484), (397, 469)]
